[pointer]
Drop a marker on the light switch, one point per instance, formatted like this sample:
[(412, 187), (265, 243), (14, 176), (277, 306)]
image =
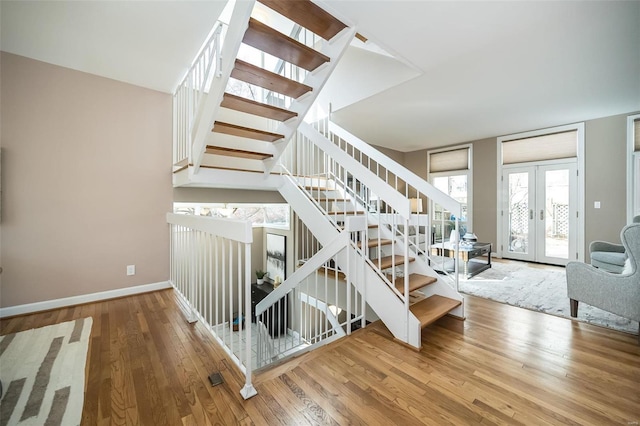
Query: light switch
[(596, 204)]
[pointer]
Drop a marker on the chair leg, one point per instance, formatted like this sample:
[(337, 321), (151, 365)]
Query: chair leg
[(574, 307)]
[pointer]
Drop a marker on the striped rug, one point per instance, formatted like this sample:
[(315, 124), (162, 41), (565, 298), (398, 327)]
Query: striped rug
[(42, 374)]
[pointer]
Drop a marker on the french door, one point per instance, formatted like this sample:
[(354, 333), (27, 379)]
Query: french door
[(539, 212)]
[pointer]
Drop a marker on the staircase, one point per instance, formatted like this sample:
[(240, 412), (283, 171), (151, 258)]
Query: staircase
[(257, 100), (239, 124)]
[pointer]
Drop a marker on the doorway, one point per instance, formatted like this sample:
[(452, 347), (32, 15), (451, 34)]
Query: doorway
[(539, 212)]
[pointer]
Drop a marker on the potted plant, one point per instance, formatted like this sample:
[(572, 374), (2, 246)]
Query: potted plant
[(260, 274)]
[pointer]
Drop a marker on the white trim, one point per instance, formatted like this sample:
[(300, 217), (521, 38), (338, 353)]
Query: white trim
[(79, 300), (580, 207), (632, 203)]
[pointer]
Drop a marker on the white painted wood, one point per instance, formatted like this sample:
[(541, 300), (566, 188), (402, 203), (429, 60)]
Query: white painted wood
[(233, 38), (411, 178), (396, 200), (237, 230)]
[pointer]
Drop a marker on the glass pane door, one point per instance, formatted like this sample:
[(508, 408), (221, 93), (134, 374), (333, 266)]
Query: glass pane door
[(539, 213), (517, 213), (555, 213)]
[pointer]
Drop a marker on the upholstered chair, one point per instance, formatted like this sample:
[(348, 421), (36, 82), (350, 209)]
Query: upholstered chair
[(615, 293), (609, 256)]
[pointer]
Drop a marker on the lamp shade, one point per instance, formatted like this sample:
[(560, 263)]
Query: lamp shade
[(416, 205)]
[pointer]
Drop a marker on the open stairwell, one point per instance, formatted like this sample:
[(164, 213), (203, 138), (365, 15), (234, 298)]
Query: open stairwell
[(363, 251), (239, 110)]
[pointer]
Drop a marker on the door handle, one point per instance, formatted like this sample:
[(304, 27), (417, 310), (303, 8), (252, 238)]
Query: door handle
[(542, 214)]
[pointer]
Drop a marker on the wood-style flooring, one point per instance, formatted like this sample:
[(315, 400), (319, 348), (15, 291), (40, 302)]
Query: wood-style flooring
[(503, 365)]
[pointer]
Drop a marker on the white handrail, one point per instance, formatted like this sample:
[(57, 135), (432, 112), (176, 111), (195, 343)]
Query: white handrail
[(398, 201), (211, 270), (402, 172)]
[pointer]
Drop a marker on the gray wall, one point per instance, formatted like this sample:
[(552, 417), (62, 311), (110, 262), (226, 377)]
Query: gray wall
[(605, 180)]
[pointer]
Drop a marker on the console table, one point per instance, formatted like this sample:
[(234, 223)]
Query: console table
[(467, 252), (277, 324)]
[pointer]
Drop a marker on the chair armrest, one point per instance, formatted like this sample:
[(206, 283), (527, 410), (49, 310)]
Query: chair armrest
[(605, 246)]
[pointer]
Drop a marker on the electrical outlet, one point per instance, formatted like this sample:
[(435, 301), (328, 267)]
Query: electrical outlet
[(131, 269)]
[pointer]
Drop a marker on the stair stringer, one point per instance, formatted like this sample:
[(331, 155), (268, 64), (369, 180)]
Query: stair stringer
[(380, 297), (441, 287), (204, 119), (334, 49)]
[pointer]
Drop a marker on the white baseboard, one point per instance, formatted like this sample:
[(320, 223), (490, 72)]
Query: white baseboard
[(79, 300)]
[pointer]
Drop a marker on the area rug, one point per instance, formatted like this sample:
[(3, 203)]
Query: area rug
[(539, 288), (42, 374)]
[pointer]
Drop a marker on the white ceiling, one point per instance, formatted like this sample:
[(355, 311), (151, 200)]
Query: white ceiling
[(468, 70), (146, 43), (494, 68)]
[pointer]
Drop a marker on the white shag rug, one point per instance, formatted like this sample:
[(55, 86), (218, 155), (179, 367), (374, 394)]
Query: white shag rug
[(539, 288), (42, 374)]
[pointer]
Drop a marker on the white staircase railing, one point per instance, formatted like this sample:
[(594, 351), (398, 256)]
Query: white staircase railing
[(410, 185), (211, 270), (189, 95)]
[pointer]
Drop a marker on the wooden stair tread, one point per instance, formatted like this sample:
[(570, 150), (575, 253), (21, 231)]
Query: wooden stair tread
[(388, 261), (230, 152), (273, 42), (347, 213), (433, 308), (252, 74), (308, 15), (245, 132), (332, 273), (416, 282), (373, 242), (238, 103)]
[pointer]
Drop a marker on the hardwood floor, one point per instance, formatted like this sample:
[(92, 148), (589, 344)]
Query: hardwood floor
[(503, 365)]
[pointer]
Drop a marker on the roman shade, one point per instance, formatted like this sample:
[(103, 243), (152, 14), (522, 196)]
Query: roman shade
[(446, 161), (539, 148)]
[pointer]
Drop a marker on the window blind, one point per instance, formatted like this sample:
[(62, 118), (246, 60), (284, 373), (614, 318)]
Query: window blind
[(446, 161), (539, 148), (636, 134)]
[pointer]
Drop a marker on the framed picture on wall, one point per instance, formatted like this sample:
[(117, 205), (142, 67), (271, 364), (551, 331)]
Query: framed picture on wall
[(276, 256)]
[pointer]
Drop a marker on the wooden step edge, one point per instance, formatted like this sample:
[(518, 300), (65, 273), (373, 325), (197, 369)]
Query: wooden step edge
[(389, 261), (271, 41), (347, 213), (373, 242), (255, 75), (416, 282), (433, 308), (370, 226), (245, 132), (332, 273), (249, 106), (237, 153), (308, 15)]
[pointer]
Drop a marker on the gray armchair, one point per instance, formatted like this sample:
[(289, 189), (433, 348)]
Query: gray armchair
[(615, 293), (609, 256)]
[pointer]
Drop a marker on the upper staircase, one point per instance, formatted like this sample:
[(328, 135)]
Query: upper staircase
[(239, 113)]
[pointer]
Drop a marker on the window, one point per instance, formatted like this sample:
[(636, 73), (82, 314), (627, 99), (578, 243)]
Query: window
[(633, 183), (450, 172), (266, 215)]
